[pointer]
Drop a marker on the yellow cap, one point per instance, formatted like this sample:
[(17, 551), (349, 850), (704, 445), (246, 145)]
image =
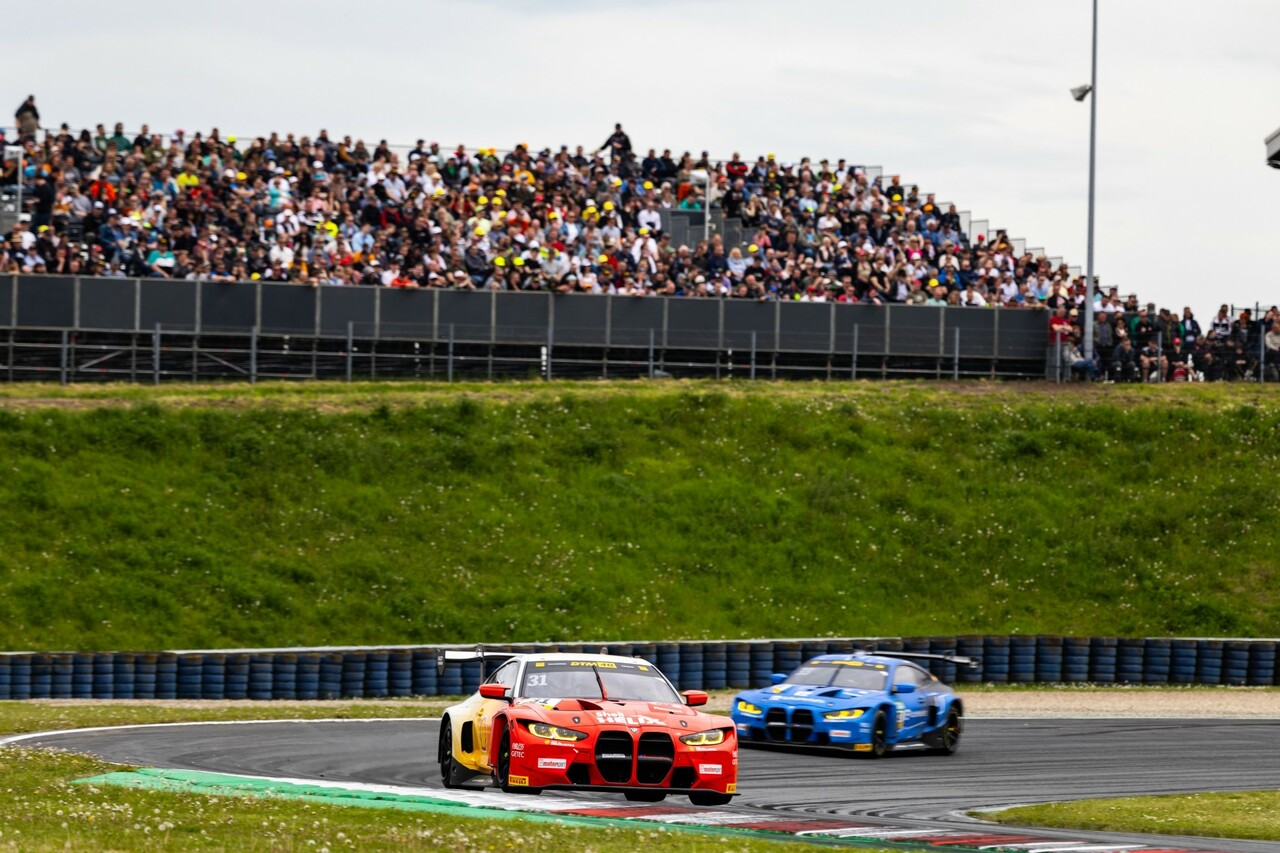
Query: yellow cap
[(837, 188), (608, 205), (897, 197), (518, 262), (499, 261), (644, 231), (770, 155), (479, 232), (543, 251), (648, 185), (553, 215), (617, 182), (331, 228), (753, 248), (231, 139), (604, 259), (241, 176), (256, 276), (497, 202), (482, 200), (439, 191), (502, 193), (933, 282)]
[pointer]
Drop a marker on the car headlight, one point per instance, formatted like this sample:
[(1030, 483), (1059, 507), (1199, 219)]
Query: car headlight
[(846, 714), (708, 738), (749, 709), (549, 732)]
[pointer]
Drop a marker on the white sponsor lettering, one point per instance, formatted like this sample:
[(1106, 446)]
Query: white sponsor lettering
[(710, 769), (619, 719), (553, 763), (841, 733)]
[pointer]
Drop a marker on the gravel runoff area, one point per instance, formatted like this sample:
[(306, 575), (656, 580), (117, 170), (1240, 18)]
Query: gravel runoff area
[(1125, 702), (1031, 702)]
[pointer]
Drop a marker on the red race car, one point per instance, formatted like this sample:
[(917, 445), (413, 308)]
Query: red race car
[(589, 722)]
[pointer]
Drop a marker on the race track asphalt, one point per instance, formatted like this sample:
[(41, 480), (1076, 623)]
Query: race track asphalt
[(1001, 762)]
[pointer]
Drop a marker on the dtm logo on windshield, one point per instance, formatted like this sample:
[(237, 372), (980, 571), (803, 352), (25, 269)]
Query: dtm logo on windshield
[(617, 718)]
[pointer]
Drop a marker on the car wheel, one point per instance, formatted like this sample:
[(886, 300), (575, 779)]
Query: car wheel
[(949, 737), (710, 798), (879, 735), (646, 796), (504, 770), (448, 767)]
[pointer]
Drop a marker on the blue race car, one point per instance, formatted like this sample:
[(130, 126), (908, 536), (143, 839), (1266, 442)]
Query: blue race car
[(869, 703)]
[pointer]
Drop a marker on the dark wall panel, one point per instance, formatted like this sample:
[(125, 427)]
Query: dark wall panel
[(693, 324), (228, 306), (869, 320), (289, 308), (107, 303), (523, 317), (914, 329), (406, 313), (741, 318), (172, 304), (580, 319), (633, 318), (806, 327), (469, 312), (6, 300), (1022, 334), (342, 305), (46, 300), (975, 327)]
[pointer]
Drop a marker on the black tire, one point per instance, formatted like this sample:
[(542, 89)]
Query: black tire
[(448, 767), (503, 770), (646, 796), (710, 798), (879, 735), (948, 740)]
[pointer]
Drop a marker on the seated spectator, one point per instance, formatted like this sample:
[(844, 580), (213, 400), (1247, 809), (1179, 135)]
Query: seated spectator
[(1124, 362)]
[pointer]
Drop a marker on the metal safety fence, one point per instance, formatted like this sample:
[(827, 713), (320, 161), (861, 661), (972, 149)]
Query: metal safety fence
[(331, 673), (70, 329)]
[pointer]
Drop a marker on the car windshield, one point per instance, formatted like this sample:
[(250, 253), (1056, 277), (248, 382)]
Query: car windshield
[(581, 679), (851, 675)]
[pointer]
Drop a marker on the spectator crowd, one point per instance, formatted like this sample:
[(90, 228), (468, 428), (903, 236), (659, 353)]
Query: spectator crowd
[(330, 211)]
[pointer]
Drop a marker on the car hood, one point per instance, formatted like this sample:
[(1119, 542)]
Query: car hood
[(803, 694), (586, 712)]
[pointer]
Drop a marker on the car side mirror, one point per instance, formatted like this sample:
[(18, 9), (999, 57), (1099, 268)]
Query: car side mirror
[(693, 698), (777, 678), (904, 688), (495, 691)]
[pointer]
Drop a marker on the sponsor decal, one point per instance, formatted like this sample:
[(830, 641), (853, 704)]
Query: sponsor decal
[(517, 748), (710, 769), (731, 788), (539, 663), (841, 733), (518, 781), (602, 664), (618, 718), (613, 755), (553, 763), (862, 747)]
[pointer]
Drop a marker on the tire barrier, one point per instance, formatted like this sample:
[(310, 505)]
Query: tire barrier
[(690, 665)]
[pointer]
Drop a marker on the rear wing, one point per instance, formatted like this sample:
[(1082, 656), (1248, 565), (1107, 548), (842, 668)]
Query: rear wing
[(962, 660), (443, 656)]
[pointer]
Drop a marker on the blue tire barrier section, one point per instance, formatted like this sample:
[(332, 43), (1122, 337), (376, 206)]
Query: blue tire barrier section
[(405, 671)]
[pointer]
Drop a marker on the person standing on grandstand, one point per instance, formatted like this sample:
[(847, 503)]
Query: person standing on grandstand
[(1220, 325), (27, 117), (1190, 328), (619, 145), (1272, 343)]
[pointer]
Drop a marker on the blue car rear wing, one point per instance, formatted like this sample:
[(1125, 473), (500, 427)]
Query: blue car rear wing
[(963, 660)]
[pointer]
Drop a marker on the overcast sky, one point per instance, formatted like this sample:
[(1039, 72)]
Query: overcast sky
[(967, 99)]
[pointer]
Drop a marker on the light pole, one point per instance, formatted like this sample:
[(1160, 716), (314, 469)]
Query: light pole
[(1080, 93)]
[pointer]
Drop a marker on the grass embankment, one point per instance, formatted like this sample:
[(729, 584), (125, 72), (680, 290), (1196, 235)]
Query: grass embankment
[(295, 515), (1250, 814)]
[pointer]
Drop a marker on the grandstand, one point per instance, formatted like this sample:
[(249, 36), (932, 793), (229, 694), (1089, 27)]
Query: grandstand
[(333, 211)]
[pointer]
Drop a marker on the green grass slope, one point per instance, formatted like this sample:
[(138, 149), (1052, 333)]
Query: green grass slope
[(291, 515)]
